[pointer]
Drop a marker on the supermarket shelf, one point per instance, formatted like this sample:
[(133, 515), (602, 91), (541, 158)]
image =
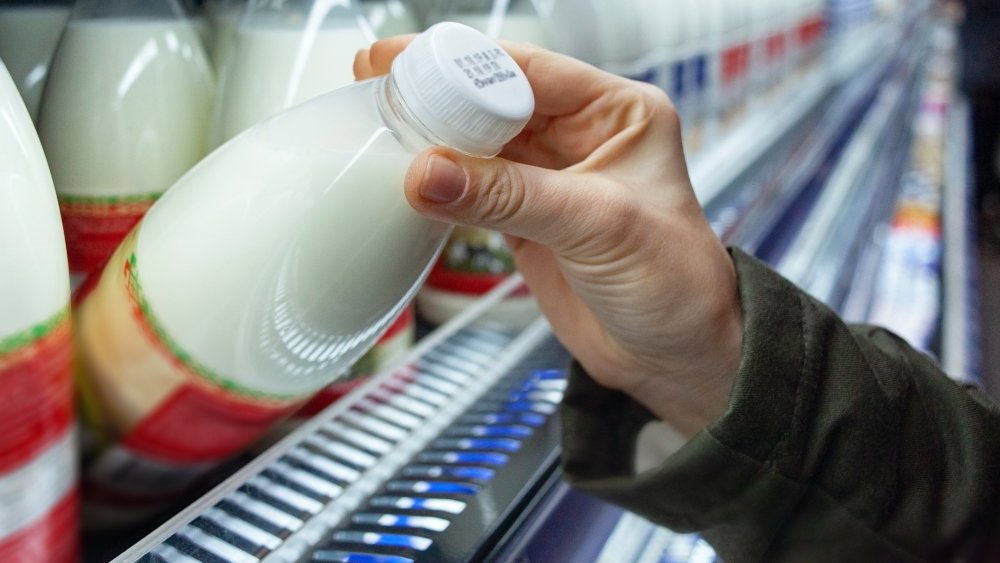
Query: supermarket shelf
[(960, 350), (365, 476), (859, 195), (514, 518), (719, 166)]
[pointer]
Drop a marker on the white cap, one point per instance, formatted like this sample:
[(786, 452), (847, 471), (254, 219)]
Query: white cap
[(464, 88)]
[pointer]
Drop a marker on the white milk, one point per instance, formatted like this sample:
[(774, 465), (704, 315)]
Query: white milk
[(123, 117), (38, 469), (28, 37), (305, 250), (223, 21), (33, 271), (390, 17), (512, 26), (272, 68)]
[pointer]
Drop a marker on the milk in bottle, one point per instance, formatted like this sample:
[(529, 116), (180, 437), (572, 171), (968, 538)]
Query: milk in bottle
[(475, 261), (390, 17), (513, 20), (223, 16), (38, 492), (123, 116), (626, 48), (29, 32), (283, 54), (266, 271)]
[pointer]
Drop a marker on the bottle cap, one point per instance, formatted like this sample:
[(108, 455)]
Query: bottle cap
[(464, 88)]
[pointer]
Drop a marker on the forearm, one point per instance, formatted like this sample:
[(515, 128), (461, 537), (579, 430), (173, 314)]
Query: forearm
[(839, 443)]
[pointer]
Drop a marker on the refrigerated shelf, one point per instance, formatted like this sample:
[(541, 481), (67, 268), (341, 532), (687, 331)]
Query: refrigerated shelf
[(517, 510)]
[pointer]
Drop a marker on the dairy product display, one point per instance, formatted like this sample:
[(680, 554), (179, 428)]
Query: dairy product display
[(270, 268), (38, 490), (390, 17), (279, 59), (29, 33), (123, 117)]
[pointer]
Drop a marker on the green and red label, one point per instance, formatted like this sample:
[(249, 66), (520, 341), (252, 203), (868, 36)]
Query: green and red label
[(203, 419), (474, 261), (36, 390), (94, 226), (38, 494)]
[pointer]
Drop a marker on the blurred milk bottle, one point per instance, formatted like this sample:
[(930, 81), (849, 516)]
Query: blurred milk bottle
[(223, 16), (264, 273), (29, 32), (390, 17), (475, 260), (627, 38), (284, 53), (38, 491), (123, 116), (513, 20)]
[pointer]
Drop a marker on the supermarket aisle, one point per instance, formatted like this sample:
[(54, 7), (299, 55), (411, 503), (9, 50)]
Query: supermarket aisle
[(989, 311)]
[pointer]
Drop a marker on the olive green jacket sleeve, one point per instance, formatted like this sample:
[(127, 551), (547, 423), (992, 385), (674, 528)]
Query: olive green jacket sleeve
[(840, 443)]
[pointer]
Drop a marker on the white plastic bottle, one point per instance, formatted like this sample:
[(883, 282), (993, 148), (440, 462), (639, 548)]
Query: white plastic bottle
[(390, 17), (223, 17), (662, 29), (715, 27), (123, 116), (264, 273), (38, 484), (758, 18), (776, 45), (626, 49), (475, 261), (695, 72), (29, 32), (284, 54), (735, 56), (513, 20)]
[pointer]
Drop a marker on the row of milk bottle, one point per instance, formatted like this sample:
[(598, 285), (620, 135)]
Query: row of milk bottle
[(712, 57), (228, 301)]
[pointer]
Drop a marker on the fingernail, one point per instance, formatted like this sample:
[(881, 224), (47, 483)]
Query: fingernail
[(444, 181)]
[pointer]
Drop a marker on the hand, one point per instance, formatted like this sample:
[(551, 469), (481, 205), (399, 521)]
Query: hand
[(603, 223)]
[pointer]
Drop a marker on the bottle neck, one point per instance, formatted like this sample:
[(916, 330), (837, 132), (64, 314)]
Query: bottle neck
[(411, 133)]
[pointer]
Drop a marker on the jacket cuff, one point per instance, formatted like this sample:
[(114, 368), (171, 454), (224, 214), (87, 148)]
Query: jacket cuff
[(716, 471)]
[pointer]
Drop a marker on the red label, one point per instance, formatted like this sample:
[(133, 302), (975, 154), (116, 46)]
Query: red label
[(36, 394), (197, 424), (53, 539), (94, 230), (730, 64), (775, 46), (467, 283)]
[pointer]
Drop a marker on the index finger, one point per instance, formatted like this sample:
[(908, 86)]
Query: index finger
[(562, 85)]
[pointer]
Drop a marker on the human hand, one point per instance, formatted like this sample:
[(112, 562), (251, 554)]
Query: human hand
[(604, 225)]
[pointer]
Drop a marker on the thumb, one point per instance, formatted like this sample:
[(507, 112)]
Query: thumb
[(551, 207)]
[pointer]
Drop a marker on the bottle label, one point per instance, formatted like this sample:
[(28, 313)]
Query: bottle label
[(94, 226), (38, 498), (474, 261), (157, 419), (393, 344), (775, 47)]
